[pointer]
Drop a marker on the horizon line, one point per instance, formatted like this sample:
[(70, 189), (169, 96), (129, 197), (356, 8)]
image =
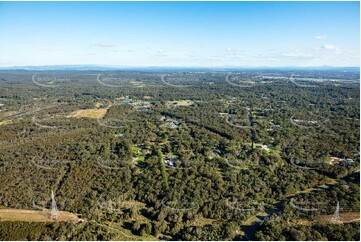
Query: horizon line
[(175, 66)]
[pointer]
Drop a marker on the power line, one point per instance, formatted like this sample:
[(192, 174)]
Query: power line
[(336, 215), (54, 208)]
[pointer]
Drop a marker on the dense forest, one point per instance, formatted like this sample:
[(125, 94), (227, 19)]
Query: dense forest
[(141, 155)]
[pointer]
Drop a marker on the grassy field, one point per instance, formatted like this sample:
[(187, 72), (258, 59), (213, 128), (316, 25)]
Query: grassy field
[(125, 234), (137, 83), (344, 218), (35, 216), (180, 103), (327, 219), (253, 219), (38, 216), (201, 221), (89, 113)]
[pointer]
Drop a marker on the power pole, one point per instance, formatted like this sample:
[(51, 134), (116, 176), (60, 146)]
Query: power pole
[(54, 209), (336, 215)]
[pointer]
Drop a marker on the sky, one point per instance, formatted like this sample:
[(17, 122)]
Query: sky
[(192, 34)]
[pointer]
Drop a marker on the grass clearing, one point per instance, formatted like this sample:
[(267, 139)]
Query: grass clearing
[(35, 216), (344, 218), (327, 219), (201, 221), (125, 234), (89, 113), (180, 103), (137, 83), (253, 219)]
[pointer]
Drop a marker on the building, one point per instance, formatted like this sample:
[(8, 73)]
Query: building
[(275, 125), (169, 163), (215, 153), (341, 161), (169, 160), (348, 162), (262, 147), (172, 125)]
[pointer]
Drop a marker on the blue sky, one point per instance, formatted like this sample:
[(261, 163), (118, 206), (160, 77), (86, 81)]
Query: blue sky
[(180, 33)]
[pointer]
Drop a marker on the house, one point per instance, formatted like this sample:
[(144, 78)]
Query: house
[(169, 163), (119, 135), (262, 147), (215, 150), (275, 125), (125, 101), (140, 103), (215, 153), (169, 160), (172, 125), (347, 162), (19, 115), (341, 161)]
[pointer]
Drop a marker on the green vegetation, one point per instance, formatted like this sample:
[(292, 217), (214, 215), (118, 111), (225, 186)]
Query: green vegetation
[(185, 167)]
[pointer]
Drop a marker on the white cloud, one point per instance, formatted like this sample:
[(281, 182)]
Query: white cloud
[(233, 50), (103, 45), (110, 48), (320, 37), (297, 54), (107, 48), (329, 47), (161, 51), (233, 54)]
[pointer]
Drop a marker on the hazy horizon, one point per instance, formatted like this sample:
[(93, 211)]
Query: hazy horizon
[(159, 66)]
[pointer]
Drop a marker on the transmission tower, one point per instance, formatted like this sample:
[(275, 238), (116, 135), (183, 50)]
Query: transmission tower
[(54, 209), (336, 215)]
